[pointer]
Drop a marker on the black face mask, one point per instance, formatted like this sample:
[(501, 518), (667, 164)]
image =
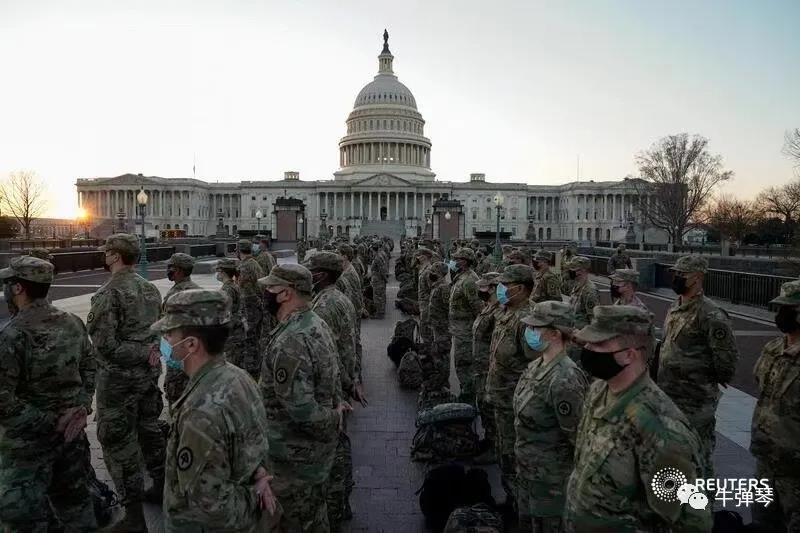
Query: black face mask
[(572, 274), (484, 296), (679, 284), (537, 265), (316, 279), (271, 303), (615, 294), (785, 319), (170, 274), (601, 365), (9, 296)]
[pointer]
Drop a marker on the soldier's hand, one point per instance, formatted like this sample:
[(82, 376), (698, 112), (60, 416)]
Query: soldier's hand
[(266, 498), (154, 357), (343, 408), (358, 395), (71, 422)]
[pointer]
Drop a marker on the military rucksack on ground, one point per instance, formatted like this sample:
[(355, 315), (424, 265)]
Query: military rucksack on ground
[(402, 340), (445, 432), (479, 518), (450, 486), (409, 372), (428, 399)]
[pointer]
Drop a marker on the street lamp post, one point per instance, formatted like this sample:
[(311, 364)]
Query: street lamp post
[(498, 252), (259, 216), (141, 198), (447, 216)]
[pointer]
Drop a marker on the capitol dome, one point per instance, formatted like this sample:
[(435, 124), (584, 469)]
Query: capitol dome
[(385, 131)]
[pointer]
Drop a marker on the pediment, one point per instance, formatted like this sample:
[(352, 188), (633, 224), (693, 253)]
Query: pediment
[(384, 180), (131, 180)]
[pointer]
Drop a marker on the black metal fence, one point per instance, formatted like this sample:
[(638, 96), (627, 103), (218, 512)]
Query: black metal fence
[(708, 249), (90, 260)]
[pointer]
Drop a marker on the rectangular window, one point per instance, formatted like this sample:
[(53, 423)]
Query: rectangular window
[(514, 230), (253, 198), (474, 215)]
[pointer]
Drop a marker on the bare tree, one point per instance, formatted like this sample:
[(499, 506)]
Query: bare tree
[(22, 196), (791, 145), (784, 202), (732, 217), (679, 174)]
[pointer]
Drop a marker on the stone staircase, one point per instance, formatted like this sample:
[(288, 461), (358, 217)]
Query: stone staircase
[(390, 228)]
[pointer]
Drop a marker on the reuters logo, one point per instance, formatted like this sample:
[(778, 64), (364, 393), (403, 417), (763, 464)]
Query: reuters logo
[(666, 482)]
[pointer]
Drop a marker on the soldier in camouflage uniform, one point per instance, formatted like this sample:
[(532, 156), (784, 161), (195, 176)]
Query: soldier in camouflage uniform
[(698, 352), (624, 282), (301, 387), (436, 364), (301, 248), (336, 310), (509, 355), (129, 401), (484, 264), (481, 337), (253, 313), (226, 272), (264, 258), (776, 418), (47, 371), (424, 256), (465, 304), (216, 477), (478, 518), (619, 260), (350, 284), (547, 407), (379, 273), (179, 272), (567, 254), (584, 296), (546, 283), (630, 432), (517, 257)]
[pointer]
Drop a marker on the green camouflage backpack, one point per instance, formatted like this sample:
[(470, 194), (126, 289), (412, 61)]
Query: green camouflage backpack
[(479, 518), (409, 372), (445, 432)]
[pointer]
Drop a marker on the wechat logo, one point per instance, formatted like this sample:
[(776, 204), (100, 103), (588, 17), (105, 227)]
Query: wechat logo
[(670, 485)]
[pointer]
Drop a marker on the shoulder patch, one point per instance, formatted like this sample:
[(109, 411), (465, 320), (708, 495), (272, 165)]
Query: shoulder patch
[(564, 408), (89, 317), (185, 458), (281, 375), (720, 333)]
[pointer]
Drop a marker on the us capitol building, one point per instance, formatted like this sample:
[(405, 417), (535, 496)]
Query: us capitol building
[(384, 185)]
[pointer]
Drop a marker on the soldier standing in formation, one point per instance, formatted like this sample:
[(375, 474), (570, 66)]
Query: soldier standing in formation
[(226, 274), (301, 249), (179, 272), (252, 308), (424, 257), (584, 294), (698, 353), (264, 257), (548, 402), (509, 355), (350, 284), (336, 310), (619, 260), (129, 401), (300, 384), (481, 338), (437, 362), (465, 304), (776, 418), (624, 282), (379, 273), (217, 451), (547, 285), (567, 253), (47, 371), (629, 432)]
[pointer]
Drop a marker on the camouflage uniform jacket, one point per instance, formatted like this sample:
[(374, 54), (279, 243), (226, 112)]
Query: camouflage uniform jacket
[(698, 353), (548, 402), (361, 269), (635, 301), (776, 418), (622, 443), (252, 313), (333, 307), (483, 267), (547, 287), (237, 330), (300, 383), (509, 354), (217, 442), (119, 323), (619, 261), (482, 335), (379, 268), (438, 310), (350, 284), (47, 365), (465, 304), (183, 285), (582, 300), (266, 261)]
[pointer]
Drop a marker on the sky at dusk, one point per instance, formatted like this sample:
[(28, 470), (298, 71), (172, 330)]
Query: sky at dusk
[(517, 90)]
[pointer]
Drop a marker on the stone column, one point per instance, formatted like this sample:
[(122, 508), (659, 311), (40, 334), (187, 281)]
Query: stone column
[(369, 204)]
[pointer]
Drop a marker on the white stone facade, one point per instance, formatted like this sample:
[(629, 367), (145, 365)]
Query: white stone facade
[(384, 178)]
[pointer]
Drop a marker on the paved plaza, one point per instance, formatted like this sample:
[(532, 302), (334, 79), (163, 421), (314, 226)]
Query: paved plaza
[(384, 497)]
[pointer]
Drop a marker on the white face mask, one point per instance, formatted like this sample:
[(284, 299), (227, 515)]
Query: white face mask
[(220, 277)]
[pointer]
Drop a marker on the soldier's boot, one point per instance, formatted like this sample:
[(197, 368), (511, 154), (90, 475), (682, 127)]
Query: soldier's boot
[(132, 522), (155, 494)]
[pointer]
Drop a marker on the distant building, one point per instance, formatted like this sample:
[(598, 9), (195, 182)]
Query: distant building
[(384, 185)]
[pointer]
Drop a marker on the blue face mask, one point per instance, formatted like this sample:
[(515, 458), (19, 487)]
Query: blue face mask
[(502, 294), (256, 247), (535, 341), (452, 265), (166, 354)]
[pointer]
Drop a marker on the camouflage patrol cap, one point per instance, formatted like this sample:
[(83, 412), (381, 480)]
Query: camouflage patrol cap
[(427, 243), (790, 294), (41, 253), (516, 274), (518, 255), (464, 253), (579, 262), (543, 255), (181, 260), (30, 269), (439, 269), (625, 274), (507, 248), (610, 321), (347, 250), (325, 261), (121, 242), (261, 237), (488, 279), (245, 245), (621, 247), (194, 307), (424, 251), (474, 242), (553, 314), (691, 263), (288, 275), (228, 263)]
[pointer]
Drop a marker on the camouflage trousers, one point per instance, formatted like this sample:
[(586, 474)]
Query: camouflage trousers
[(504, 445), (174, 383), (41, 475), (425, 332), (340, 483), (436, 365), (462, 356), (486, 409), (304, 507), (783, 514), (379, 295), (128, 408), (538, 514)]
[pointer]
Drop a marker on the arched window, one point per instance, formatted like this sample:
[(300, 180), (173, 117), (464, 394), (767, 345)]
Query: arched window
[(169, 226), (235, 229), (597, 234), (541, 234), (580, 234), (549, 234), (186, 227), (608, 234)]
